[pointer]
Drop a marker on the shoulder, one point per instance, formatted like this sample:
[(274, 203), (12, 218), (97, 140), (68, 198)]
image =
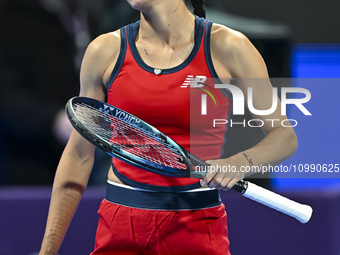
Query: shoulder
[(223, 36), (236, 52), (100, 57), (104, 46)]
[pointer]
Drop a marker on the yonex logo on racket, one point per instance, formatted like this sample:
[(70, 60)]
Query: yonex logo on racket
[(119, 114), (107, 109)]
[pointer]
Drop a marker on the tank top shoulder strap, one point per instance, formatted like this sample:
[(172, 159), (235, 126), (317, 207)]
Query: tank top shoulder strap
[(207, 50), (207, 38), (121, 57)]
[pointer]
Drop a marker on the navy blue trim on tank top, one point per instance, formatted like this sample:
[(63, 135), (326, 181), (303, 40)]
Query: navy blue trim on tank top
[(208, 58), (207, 51), (132, 31), (120, 59), (136, 184)]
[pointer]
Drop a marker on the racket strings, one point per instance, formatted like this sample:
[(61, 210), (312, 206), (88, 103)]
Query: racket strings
[(137, 141), (145, 145)]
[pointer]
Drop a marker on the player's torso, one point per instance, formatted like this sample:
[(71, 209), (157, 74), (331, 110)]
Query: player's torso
[(172, 101)]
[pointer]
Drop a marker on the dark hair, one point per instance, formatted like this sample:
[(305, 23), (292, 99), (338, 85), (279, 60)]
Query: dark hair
[(198, 6)]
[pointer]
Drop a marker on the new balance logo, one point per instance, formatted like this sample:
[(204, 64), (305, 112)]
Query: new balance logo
[(199, 82), (194, 82)]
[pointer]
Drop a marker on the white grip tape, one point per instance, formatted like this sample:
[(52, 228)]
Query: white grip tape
[(299, 211)]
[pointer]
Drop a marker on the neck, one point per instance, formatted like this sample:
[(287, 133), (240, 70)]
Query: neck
[(166, 34), (164, 22)]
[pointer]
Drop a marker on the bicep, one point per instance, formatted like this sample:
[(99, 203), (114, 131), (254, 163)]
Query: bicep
[(260, 96), (99, 58), (247, 67), (91, 76), (92, 87), (262, 101), (95, 62)]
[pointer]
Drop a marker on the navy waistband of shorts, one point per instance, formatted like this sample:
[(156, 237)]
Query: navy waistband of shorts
[(144, 199)]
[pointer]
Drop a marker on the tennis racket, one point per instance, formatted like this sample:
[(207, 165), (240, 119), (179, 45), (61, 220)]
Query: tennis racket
[(134, 141)]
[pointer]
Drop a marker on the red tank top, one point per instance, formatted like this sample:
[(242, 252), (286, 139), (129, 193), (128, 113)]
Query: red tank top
[(170, 103)]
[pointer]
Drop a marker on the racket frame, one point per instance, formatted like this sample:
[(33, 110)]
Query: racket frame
[(124, 155)]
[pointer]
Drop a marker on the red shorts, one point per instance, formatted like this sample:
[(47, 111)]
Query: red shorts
[(128, 230)]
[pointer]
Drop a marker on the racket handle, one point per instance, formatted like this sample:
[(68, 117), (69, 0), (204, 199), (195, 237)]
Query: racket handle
[(294, 209), (261, 195)]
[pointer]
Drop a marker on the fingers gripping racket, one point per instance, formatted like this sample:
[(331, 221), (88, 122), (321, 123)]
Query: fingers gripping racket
[(134, 141)]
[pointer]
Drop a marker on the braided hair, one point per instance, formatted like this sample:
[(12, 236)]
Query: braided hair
[(198, 6)]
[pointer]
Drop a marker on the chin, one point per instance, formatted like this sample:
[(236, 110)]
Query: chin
[(140, 5)]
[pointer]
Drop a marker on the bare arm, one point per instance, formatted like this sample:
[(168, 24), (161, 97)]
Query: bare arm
[(78, 157), (235, 57)]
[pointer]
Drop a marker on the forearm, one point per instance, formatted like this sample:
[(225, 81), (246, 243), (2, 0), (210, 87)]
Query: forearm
[(278, 145), (68, 187)]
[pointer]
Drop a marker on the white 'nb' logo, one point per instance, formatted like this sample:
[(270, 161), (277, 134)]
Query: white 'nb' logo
[(194, 82)]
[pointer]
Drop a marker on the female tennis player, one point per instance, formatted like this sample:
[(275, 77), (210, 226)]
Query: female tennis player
[(141, 69)]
